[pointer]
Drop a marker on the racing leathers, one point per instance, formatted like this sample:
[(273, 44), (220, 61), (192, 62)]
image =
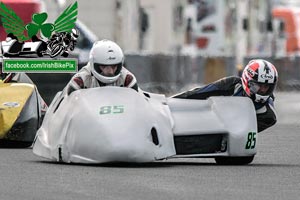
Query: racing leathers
[(232, 86), (85, 79)]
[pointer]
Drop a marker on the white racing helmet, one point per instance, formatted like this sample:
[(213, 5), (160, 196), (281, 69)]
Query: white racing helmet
[(106, 52)]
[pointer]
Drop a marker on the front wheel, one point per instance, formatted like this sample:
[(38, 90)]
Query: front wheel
[(234, 160), (56, 50)]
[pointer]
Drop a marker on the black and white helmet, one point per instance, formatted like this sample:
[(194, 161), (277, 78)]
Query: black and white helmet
[(74, 34), (259, 74), (106, 52)]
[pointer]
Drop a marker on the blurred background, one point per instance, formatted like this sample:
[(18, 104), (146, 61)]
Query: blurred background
[(172, 45)]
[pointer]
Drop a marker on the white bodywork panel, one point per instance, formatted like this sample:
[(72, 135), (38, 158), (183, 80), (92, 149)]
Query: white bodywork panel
[(6, 45), (231, 116), (28, 47), (77, 132), (74, 130), (31, 46)]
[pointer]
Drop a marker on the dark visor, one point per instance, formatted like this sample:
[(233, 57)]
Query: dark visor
[(263, 89)]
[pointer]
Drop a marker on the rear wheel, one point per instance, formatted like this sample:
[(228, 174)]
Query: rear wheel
[(234, 160)]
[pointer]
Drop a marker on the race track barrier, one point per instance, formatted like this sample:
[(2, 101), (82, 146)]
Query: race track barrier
[(170, 74), (173, 73), (288, 71)]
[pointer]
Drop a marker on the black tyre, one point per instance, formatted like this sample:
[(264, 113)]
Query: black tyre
[(234, 160), (14, 144), (56, 50)]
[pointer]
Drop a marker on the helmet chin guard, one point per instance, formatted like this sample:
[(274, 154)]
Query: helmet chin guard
[(260, 99), (106, 79)]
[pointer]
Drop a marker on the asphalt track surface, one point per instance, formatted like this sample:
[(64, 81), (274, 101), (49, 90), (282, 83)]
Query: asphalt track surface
[(274, 173)]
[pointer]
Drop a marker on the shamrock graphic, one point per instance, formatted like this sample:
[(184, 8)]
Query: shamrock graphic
[(37, 24), (12, 23)]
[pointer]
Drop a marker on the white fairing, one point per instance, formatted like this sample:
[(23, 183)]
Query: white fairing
[(6, 45), (28, 47), (234, 117), (31, 46), (113, 124), (108, 124)]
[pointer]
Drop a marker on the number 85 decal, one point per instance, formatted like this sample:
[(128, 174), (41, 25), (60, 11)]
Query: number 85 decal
[(111, 109), (251, 140)]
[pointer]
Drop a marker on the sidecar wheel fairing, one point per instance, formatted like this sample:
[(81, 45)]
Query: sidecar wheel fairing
[(20, 114), (218, 126)]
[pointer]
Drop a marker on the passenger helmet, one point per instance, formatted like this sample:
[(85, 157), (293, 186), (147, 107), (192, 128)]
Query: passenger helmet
[(259, 80)]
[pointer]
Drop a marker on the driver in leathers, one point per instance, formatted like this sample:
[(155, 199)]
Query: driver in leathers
[(105, 68), (258, 81)]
